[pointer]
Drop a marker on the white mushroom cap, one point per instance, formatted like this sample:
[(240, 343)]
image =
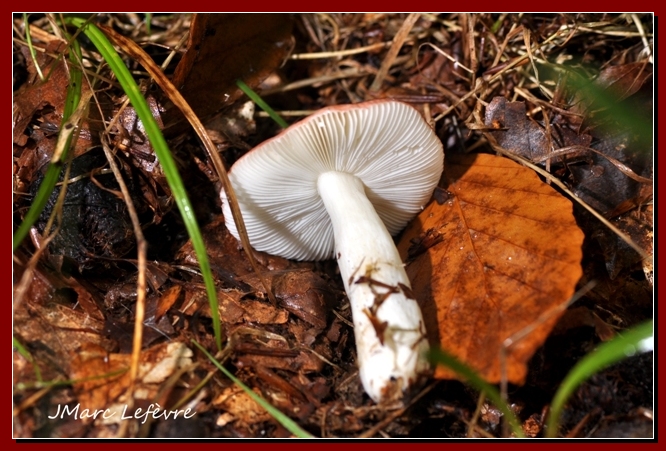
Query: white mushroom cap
[(385, 143)]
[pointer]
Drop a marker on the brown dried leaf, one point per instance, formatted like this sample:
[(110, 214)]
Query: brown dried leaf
[(524, 136), (234, 311), (617, 109), (617, 254), (223, 48), (605, 182), (101, 378), (302, 292), (35, 95), (613, 175), (37, 115), (239, 407), (624, 80), (85, 298), (130, 137), (263, 313), (53, 331), (508, 259), (618, 90)]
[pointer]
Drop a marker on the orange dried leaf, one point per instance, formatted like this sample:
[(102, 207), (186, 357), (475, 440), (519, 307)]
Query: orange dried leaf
[(498, 255), (166, 301)]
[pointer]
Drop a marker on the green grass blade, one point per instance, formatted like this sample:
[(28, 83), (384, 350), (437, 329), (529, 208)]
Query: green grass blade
[(26, 355), (163, 154), (263, 105), (619, 348), (22, 386), (284, 420), (31, 48), (442, 357), (149, 19), (630, 117), (53, 171)]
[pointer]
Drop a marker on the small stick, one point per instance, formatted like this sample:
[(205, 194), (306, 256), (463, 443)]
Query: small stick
[(393, 51)]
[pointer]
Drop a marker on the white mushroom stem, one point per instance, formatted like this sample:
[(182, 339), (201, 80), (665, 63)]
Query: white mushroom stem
[(388, 325)]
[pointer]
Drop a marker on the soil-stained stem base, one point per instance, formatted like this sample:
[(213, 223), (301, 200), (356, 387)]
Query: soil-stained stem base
[(388, 325)]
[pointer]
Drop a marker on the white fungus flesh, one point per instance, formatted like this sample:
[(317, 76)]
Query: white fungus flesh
[(338, 185)]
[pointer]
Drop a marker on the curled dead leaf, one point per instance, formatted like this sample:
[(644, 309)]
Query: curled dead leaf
[(499, 257), (223, 48)]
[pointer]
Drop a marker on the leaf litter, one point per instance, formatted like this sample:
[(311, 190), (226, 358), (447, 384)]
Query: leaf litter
[(497, 276)]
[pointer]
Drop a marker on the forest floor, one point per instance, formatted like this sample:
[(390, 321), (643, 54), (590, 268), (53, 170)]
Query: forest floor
[(570, 94)]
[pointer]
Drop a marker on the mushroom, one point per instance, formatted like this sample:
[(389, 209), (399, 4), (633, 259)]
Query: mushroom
[(338, 184)]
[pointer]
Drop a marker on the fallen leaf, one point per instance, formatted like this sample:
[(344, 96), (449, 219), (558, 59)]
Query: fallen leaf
[(615, 252), (157, 324), (239, 407), (302, 361), (101, 378), (601, 182), (501, 256), (223, 48), (302, 292), (612, 175), (130, 137), (166, 301), (524, 136), (53, 331), (622, 81), (41, 103), (263, 313)]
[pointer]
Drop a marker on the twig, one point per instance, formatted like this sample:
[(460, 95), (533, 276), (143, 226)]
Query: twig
[(624, 34), (345, 73), (646, 44), (137, 337), (471, 425), (287, 113), (398, 41), (447, 56), (470, 21), (340, 53)]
